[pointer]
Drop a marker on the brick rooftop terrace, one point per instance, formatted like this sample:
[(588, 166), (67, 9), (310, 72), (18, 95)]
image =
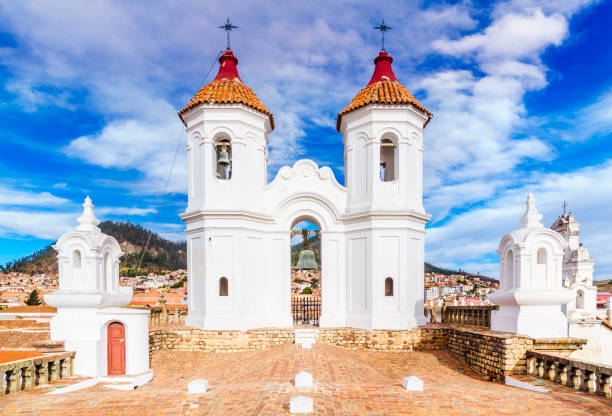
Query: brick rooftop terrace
[(347, 382)]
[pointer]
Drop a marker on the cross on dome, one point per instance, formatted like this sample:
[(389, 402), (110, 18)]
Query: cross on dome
[(383, 28), (228, 27)]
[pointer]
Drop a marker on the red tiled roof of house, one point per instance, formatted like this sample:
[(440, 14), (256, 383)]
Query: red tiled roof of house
[(228, 88), (21, 339), (22, 323), (30, 309), (16, 355), (383, 88)]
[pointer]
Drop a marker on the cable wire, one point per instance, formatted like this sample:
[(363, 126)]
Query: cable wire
[(178, 146)]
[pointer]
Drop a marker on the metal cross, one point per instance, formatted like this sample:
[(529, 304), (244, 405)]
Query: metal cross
[(228, 27), (383, 28), (564, 206)]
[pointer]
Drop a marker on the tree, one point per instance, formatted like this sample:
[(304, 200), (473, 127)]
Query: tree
[(307, 291), (33, 299)]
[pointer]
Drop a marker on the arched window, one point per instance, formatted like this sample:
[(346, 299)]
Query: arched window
[(541, 268), (542, 256), (76, 259), (387, 160), (388, 286), (580, 299), (508, 280), (223, 289), (223, 159), (108, 272)]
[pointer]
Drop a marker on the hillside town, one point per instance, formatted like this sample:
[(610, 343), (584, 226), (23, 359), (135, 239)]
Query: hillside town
[(15, 288), (458, 289)]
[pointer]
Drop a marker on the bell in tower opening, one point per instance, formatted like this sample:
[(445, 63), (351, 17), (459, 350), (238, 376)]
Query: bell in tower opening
[(306, 260)]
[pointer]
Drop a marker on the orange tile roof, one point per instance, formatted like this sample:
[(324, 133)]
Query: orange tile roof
[(29, 309), (22, 339), (228, 88), (383, 88), (15, 355), (22, 323)]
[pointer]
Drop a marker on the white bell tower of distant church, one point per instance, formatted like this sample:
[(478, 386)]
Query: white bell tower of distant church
[(239, 225)]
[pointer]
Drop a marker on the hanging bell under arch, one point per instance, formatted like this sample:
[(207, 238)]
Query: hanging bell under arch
[(307, 260), (223, 156)]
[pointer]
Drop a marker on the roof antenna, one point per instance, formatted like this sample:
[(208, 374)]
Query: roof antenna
[(228, 27), (564, 206), (383, 28)]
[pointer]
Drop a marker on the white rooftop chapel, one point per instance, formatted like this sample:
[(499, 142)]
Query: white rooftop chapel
[(239, 225), (91, 320), (531, 291)]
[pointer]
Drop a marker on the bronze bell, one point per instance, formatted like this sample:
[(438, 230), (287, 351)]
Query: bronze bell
[(307, 260), (223, 156)]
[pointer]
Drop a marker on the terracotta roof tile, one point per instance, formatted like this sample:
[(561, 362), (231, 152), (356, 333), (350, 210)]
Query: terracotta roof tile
[(228, 88), (383, 88), (21, 339), (16, 355), (30, 309)]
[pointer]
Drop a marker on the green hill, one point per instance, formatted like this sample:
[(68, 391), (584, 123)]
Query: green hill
[(603, 285), (162, 254)]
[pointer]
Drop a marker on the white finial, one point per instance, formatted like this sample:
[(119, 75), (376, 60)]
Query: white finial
[(87, 220), (532, 217)]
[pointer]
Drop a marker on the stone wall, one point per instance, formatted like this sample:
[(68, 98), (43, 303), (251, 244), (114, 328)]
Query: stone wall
[(193, 339), (430, 337), (494, 354), (559, 346)]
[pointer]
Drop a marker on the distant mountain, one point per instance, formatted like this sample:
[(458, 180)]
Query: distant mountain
[(161, 254), (603, 285), (164, 254)]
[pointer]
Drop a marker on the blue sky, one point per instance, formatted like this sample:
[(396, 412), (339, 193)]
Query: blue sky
[(520, 91)]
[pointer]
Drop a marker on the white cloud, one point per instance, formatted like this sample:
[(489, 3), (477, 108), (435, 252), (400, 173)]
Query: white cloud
[(124, 211), (11, 196), (476, 233), (511, 36), (41, 224)]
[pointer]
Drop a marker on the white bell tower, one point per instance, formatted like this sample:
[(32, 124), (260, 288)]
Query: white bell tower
[(227, 131), (383, 141)]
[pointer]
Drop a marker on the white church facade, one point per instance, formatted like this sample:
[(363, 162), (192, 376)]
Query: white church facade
[(239, 225)]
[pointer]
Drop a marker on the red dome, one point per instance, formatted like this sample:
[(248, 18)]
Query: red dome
[(383, 88), (228, 88)]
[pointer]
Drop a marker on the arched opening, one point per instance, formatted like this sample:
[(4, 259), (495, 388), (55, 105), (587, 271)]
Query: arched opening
[(108, 272), (116, 349), (388, 164), (388, 286), (305, 272), (223, 159), (580, 299), (76, 259), (541, 267), (223, 287), (77, 264), (508, 280)]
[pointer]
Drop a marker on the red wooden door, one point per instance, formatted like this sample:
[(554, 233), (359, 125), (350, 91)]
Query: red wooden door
[(116, 349)]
